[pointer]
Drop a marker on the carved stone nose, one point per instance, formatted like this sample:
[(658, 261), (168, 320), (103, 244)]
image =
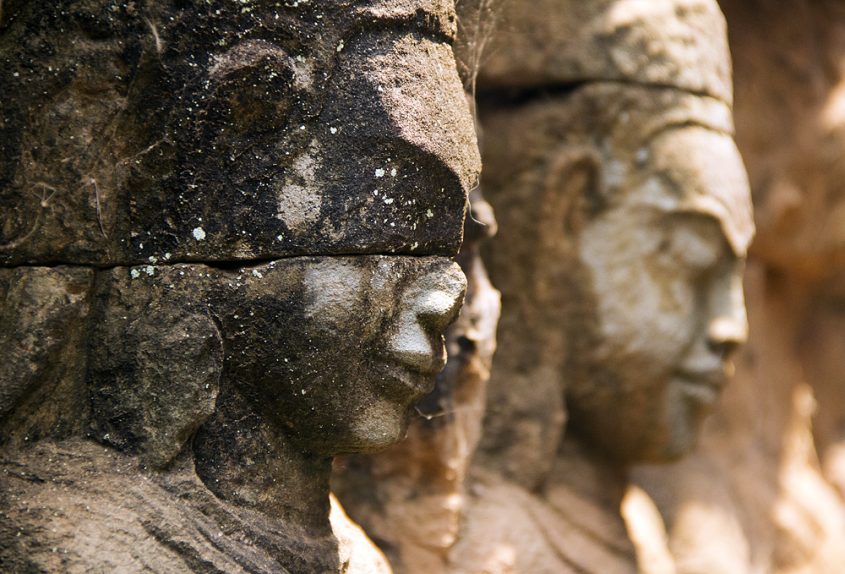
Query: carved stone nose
[(726, 334), (429, 305), (727, 328)]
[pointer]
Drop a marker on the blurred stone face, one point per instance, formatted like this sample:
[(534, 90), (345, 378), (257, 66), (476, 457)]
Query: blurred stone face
[(664, 267)]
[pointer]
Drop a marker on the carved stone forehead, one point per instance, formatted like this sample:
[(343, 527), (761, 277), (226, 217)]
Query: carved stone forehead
[(635, 136), (672, 43), (706, 171), (239, 131), (614, 122)]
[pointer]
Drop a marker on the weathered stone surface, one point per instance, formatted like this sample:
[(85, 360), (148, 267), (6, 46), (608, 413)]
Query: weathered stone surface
[(190, 133), (259, 363), (43, 315), (570, 524), (411, 497), (151, 391), (103, 511), (752, 498), (611, 311), (680, 44), (597, 163), (234, 185)]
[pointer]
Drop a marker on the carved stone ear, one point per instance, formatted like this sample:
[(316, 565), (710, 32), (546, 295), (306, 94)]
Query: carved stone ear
[(155, 363), (571, 193)]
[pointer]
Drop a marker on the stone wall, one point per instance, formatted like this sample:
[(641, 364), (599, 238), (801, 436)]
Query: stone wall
[(240, 240)]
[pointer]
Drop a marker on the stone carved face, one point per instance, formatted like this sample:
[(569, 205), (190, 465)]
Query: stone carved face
[(664, 273), (305, 133), (330, 351), (338, 361)]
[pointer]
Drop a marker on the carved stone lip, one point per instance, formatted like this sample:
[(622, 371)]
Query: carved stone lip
[(413, 383), (703, 386)]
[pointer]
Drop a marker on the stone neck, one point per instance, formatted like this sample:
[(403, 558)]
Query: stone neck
[(587, 491), (247, 463), (591, 476)]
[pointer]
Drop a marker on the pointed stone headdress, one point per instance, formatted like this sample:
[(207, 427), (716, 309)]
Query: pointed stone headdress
[(188, 134)]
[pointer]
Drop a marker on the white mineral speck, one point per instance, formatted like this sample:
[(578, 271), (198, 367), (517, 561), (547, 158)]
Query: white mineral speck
[(150, 270), (333, 130), (134, 273), (257, 273), (393, 172), (388, 200), (199, 233), (429, 213), (379, 172)]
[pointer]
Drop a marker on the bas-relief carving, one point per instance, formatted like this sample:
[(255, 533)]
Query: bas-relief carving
[(410, 498), (268, 371), (625, 217), (754, 498), (255, 309), (283, 100), (640, 256)]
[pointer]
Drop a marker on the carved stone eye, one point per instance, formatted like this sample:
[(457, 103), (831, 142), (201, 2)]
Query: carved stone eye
[(253, 90)]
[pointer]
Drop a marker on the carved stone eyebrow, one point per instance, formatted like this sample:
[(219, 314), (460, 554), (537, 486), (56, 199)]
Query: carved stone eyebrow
[(732, 251), (422, 21)]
